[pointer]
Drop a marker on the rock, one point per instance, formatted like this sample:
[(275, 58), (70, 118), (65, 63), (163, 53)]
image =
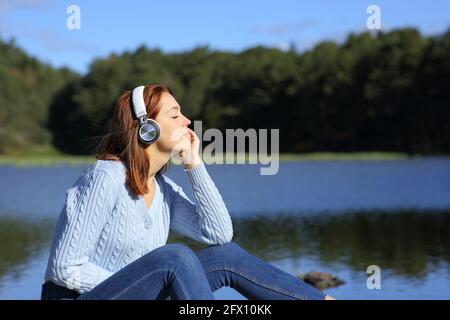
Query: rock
[(321, 280)]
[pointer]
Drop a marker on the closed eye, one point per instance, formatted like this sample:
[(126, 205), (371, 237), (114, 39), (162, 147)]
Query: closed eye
[(174, 117)]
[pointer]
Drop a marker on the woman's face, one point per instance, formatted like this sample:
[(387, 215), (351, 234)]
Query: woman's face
[(172, 122)]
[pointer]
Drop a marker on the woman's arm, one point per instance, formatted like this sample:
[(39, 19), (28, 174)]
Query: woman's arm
[(78, 230), (207, 220)]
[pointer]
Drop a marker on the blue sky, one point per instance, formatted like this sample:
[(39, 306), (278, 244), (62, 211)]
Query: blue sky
[(39, 26)]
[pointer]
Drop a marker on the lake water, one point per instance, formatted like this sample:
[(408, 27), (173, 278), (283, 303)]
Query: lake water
[(337, 217)]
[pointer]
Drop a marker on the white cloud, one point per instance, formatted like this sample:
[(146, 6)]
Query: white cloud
[(49, 39), (283, 46), (283, 29), (9, 5)]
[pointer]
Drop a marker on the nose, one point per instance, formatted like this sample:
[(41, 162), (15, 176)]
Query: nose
[(187, 122)]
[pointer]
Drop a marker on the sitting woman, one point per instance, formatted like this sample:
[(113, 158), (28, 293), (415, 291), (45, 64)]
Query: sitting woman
[(110, 238)]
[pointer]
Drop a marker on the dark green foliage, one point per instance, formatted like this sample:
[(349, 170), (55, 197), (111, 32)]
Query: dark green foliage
[(374, 92)]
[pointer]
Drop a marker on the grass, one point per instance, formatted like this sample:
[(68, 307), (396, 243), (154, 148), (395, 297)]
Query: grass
[(43, 156), (374, 155), (47, 156)]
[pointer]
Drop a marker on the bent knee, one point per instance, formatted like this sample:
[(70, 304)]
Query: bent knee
[(231, 245), (229, 249), (177, 253)]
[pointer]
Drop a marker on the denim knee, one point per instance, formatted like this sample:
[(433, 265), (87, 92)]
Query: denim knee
[(177, 254), (228, 250), (229, 246)]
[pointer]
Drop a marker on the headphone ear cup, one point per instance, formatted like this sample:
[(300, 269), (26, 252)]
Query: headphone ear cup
[(149, 132)]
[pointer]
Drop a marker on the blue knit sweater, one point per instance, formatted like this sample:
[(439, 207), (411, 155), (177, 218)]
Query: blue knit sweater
[(103, 226)]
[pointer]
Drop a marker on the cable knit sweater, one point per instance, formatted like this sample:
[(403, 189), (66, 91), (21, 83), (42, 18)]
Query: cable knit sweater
[(103, 226)]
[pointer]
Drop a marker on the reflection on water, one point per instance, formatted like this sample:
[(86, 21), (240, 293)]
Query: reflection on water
[(20, 241), (408, 245)]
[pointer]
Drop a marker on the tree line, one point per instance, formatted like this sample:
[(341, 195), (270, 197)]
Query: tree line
[(383, 91)]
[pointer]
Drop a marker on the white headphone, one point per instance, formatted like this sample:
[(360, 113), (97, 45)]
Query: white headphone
[(149, 130)]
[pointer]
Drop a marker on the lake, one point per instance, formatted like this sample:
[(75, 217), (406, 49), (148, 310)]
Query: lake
[(337, 217)]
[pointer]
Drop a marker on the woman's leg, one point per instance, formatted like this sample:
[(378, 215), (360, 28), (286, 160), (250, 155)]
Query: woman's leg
[(230, 265), (173, 269)]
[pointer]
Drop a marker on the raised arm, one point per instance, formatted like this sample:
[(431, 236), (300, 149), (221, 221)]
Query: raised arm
[(207, 220)]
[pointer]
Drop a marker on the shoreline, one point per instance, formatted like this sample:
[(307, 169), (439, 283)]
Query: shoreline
[(57, 159)]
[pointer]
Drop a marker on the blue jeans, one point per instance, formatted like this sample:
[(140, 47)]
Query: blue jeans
[(174, 271)]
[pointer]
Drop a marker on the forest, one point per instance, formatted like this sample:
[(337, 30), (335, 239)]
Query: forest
[(383, 91)]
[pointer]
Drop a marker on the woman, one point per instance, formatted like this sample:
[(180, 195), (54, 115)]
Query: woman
[(110, 238)]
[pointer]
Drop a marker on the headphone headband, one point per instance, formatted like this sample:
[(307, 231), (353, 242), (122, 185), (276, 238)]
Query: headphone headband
[(138, 101)]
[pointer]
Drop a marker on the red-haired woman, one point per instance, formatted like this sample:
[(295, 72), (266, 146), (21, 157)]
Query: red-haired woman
[(110, 238)]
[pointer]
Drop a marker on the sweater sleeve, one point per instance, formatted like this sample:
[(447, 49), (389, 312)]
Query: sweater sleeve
[(207, 220), (78, 230)]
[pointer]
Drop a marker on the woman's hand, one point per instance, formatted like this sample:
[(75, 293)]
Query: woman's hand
[(189, 152)]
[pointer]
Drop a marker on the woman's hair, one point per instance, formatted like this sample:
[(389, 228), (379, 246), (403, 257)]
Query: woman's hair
[(121, 140)]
